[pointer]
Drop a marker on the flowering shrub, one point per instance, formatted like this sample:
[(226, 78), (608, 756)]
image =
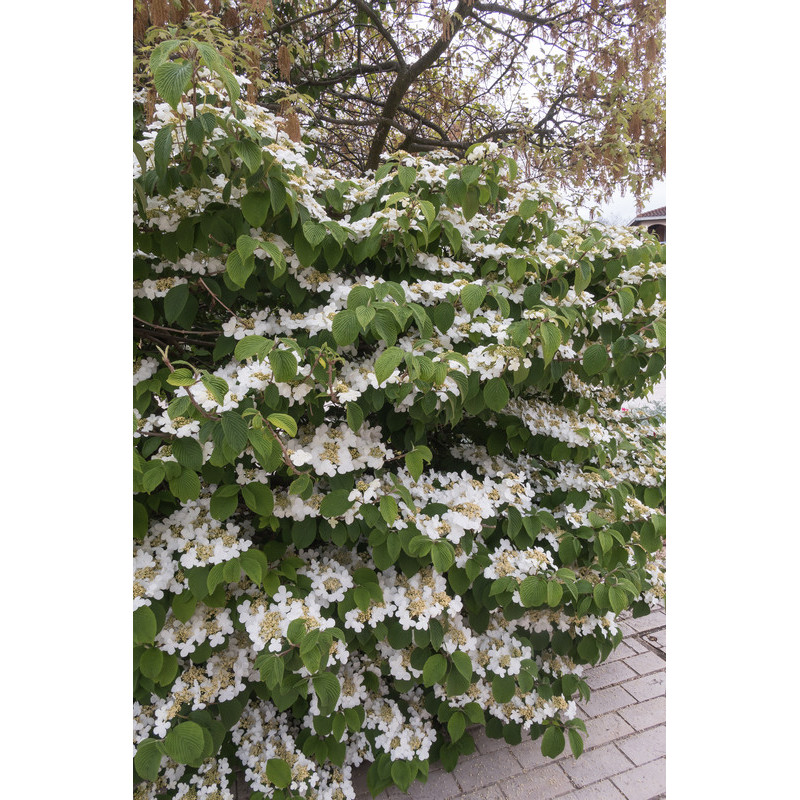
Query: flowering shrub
[(384, 488)]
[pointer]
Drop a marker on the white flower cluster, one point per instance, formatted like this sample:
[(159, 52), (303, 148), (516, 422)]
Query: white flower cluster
[(206, 624), (335, 449), (267, 622), (189, 537)]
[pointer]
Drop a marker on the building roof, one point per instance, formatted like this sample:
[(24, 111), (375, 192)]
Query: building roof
[(654, 212)]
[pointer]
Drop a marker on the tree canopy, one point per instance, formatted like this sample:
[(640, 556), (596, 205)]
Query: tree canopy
[(576, 87)]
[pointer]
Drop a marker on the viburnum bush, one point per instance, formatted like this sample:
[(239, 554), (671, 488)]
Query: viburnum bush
[(384, 486)]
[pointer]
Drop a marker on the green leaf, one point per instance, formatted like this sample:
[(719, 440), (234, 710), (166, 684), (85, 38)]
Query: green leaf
[(258, 498), (255, 207), (229, 81), (209, 55), (503, 688), (284, 365), (406, 175), (335, 503), (148, 759), (365, 315), (217, 387), (172, 79), (471, 203), (250, 346), (345, 327), (284, 422), (355, 416), (575, 742), (175, 301), (617, 598), (162, 150), (443, 316), (181, 377), (255, 564), (626, 299), (555, 591), (163, 51), (389, 509), (188, 452), (186, 485), (428, 210), (456, 725), (184, 743), (151, 662), (239, 270), (224, 502), (300, 484), (550, 335), (553, 742), (235, 430), (274, 252), (463, 663), (595, 359), (271, 667), (470, 173), (140, 520), (314, 233), (472, 295), (279, 773), (184, 605), (527, 208), (328, 689), (434, 670), (250, 153), (443, 555), (414, 465), (516, 268), (533, 591), (660, 330), (496, 394), (387, 362)]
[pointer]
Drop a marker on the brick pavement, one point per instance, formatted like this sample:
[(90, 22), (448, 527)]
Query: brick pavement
[(624, 757)]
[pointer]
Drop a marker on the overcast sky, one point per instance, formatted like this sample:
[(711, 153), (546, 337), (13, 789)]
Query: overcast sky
[(623, 209)]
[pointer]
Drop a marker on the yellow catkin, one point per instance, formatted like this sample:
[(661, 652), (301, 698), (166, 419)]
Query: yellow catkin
[(159, 12), (635, 126), (284, 62), (141, 21)]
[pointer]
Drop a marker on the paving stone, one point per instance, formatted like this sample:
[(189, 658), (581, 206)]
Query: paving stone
[(645, 782), (529, 754), (647, 686), (605, 790), (596, 764), (608, 673), (487, 793), (646, 746), (440, 786), (607, 728), (623, 650), (542, 783), (645, 662), (606, 700), (655, 619), (658, 639), (635, 644), (647, 714), (487, 745), (483, 770)]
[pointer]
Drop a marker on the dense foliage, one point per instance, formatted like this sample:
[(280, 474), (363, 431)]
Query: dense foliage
[(576, 87), (384, 486)]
